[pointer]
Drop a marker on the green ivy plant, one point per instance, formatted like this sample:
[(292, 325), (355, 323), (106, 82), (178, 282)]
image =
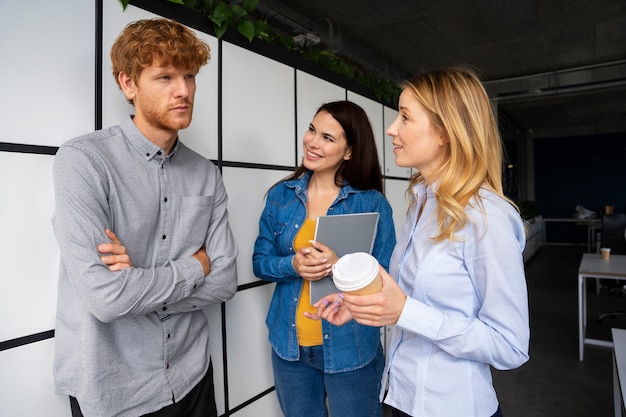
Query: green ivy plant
[(241, 16), (223, 16)]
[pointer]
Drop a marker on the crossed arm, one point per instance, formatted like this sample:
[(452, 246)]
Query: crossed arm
[(115, 256)]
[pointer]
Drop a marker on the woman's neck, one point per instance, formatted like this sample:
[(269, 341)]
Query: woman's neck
[(321, 193)]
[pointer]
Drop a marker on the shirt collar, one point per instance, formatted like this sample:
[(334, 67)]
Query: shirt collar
[(303, 182), (146, 148)]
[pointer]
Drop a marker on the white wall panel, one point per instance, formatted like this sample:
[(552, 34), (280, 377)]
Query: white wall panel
[(395, 191), (264, 406), (249, 352), (391, 169), (257, 108), (246, 198), (27, 386), (312, 93), (114, 104), (46, 76), (374, 112), (50, 79), (28, 249), (201, 135)]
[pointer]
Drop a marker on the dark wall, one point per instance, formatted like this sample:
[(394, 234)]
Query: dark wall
[(588, 170)]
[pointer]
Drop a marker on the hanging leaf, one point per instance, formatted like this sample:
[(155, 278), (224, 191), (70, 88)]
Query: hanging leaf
[(262, 31), (124, 4), (238, 11), (177, 1), (219, 30), (246, 28), (250, 5), (221, 14)]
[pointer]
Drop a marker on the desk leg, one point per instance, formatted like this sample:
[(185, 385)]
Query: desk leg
[(581, 316), (617, 392)]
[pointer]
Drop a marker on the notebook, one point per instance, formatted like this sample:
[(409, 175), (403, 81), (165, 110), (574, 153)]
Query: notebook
[(344, 233)]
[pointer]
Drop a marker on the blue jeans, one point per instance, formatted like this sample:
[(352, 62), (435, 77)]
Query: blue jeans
[(302, 386)]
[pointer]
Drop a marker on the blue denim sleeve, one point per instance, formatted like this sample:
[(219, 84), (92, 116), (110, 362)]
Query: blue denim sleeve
[(386, 234), (270, 262)]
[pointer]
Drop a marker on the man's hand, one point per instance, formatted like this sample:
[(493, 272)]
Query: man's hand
[(114, 253), (203, 258)]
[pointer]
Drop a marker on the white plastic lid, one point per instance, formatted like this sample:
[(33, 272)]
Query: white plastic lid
[(355, 271)]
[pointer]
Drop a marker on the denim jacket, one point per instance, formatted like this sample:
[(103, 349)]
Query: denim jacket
[(347, 347)]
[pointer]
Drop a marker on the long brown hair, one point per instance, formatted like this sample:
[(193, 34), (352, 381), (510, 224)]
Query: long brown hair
[(362, 170)]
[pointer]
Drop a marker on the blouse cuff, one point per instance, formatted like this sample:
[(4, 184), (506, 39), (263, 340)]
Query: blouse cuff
[(418, 318)]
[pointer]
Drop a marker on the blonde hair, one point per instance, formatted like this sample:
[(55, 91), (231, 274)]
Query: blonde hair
[(459, 107)]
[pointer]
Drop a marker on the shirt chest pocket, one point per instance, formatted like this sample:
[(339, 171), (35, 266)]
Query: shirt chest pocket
[(194, 218)]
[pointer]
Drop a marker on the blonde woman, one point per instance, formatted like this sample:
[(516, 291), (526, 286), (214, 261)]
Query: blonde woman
[(456, 290)]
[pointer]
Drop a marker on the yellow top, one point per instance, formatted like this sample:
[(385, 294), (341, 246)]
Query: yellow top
[(309, 331)]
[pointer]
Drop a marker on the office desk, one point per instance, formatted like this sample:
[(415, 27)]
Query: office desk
[(619, 370), (592, 226), (593, 266)]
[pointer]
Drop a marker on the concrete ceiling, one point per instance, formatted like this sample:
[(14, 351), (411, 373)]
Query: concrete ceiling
[(558, 68)]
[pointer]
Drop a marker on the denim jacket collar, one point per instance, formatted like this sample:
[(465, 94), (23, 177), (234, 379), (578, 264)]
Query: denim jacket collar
[(300, 185)]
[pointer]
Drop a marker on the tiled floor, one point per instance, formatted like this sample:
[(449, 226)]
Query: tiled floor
[(554, 383)]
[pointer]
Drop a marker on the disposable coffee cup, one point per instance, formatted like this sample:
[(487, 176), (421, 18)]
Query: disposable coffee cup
[(357, 273), (605, 252)]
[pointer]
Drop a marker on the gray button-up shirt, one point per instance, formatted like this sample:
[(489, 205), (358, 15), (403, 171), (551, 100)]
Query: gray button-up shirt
[(130, 342)]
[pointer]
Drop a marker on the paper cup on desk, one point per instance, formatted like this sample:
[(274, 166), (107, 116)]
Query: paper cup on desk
[(357, 273), (605, 253)]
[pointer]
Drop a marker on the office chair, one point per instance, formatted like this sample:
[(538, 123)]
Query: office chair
[(613, 235)]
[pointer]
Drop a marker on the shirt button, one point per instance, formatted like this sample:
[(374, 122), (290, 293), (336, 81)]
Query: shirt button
[(159, 153), (163, 237), (164, 308), (293, 325), (168, 335), (167, 366), (326, 336), (165, 200)]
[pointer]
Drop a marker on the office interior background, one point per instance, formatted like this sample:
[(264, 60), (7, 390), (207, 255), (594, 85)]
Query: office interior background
[(563, 123)]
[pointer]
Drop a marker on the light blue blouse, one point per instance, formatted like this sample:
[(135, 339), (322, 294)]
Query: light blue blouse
[(467, 309)]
